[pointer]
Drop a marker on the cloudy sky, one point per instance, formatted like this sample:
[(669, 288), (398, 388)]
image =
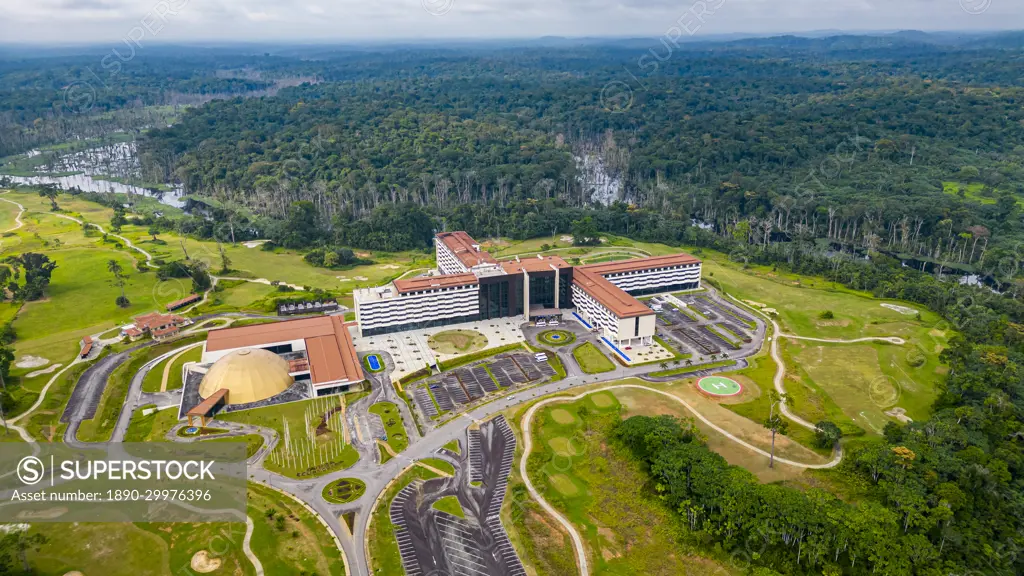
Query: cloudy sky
[(77, 21)]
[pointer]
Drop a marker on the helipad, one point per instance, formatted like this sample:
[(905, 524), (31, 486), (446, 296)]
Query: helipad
[(719, 386)]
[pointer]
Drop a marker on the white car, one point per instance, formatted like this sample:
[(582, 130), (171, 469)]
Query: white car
[(541, 323), (553, 323)]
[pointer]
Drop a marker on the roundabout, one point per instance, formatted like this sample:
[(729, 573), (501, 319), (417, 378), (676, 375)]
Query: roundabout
[(719, 386), (344, 490), (556, 337)]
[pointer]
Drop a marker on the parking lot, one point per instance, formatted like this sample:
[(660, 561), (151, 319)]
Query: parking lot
[(699, 324), (435, 542), (462, 386)]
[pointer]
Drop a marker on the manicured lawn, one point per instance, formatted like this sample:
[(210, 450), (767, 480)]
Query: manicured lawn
[(398, 438), (253, 442), (287, 538), (324, 437), (174, 380), (152, 427), (384, 557), (450, 504), (591, 359), (442, 465), (344, 490), (457, 341), (453, 446)]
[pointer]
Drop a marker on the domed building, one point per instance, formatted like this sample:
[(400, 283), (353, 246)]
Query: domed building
[(248, 374)]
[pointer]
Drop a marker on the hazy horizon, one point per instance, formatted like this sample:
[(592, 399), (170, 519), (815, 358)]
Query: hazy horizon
[(83, 22)]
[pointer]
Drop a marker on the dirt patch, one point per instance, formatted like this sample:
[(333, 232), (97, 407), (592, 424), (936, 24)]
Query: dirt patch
[(203, 563), (343, 278), (47, 370), (29, 361), (363, 254), (389, 267), (899, 414), (831, 323), (361, 278), (74, 573), (253, 243), (905, 310)]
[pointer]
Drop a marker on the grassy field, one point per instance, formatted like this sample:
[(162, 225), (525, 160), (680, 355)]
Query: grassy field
[(304, 452), (606, 495), (287, 538), (154, 378), (591, 359), (442, 465), (384, 557), (151, 427), (253, 442), (453, 446), (450, 505), (457, 341), (398, 438), (850, 384)]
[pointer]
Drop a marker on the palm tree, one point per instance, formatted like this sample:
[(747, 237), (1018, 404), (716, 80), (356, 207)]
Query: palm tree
[(677, 362), (663, 365), (689, 362)]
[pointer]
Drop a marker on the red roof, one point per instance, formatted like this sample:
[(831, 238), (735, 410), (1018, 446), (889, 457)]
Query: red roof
[(609, 295), (153, 320), (183, 302), (329, 349), (465, 248)]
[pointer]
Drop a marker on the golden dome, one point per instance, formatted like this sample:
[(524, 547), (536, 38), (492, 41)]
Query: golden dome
[(250, 374)]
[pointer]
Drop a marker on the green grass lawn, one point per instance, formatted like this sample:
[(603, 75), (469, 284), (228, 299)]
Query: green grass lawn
[(253, 442), (450, 505), (344, 490), (44, 423), (384, 557), (237, 295), (606, 495), (153, 379), (591, 359), (457, 341), (453, 446), (287, 538), (442, 465), (398, 438), (293, 457), (151, 427)]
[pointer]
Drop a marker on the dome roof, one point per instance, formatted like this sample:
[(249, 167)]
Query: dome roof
[(250, 374)]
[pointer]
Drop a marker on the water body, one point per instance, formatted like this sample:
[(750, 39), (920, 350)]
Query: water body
[(87, 183), (90, 165)]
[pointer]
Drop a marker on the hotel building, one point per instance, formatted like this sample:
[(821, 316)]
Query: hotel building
[(472, 285)]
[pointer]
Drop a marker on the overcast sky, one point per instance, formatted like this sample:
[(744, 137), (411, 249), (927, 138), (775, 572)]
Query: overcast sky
[(77, 21)]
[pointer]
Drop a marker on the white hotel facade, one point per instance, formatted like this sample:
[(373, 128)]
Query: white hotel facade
[(471, 285)]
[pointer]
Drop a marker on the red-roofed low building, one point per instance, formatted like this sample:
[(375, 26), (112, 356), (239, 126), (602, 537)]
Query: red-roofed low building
[(157, 325)]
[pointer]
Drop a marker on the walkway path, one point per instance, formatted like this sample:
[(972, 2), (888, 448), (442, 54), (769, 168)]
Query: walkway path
[(248, 549), (17, 219), (170, 361), (525, 426)]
